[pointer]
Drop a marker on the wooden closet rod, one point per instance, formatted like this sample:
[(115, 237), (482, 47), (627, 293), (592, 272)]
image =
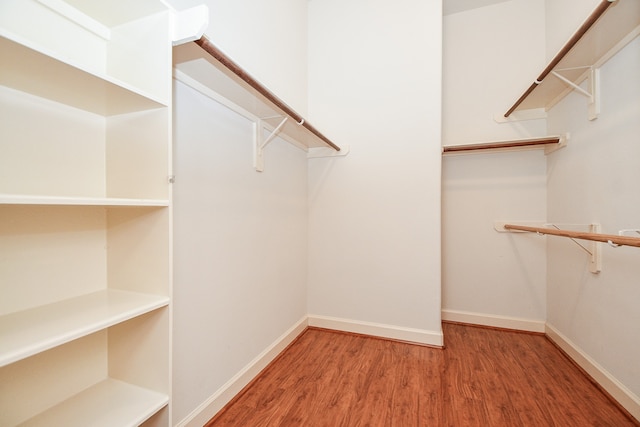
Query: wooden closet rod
[(595, 15), (500, 145), (212, 50), (597, 237)]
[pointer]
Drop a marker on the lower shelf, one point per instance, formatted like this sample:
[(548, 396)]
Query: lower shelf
[(107, 404), (29, 332)]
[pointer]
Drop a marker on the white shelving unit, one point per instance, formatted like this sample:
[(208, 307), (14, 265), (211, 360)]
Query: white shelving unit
[(85, 143)]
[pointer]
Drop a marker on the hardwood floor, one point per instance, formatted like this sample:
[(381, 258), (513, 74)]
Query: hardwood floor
[(483, 377)]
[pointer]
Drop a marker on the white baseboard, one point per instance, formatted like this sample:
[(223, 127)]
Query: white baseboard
[(608, 382), (203, 413), (420, 336), (495, 321)]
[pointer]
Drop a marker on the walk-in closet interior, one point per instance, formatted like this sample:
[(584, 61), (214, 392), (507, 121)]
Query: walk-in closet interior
[(187, 185)]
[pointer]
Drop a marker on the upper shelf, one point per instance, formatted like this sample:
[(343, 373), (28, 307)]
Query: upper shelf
[(28, 69), (80, 53), (612, 25), (203, 64)]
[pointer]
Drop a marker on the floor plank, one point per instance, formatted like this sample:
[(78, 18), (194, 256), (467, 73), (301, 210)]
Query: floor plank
[(484, 377)]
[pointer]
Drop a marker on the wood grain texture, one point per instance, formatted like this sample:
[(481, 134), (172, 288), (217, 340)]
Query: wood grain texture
[(597, 237), (234, 68), (484, 377), (501, 145)]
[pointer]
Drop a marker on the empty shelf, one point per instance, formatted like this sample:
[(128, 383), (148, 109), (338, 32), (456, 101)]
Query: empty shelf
[(106, 404), (29, 70), (28, 332)]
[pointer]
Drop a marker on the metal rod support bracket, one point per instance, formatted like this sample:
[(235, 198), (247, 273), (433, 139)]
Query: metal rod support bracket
[(260, 143), (594, 249), (592, 93)]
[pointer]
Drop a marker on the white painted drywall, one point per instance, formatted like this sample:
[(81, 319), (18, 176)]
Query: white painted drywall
[(374, 215), (268, 39), (240, 247), (562, 20), (240, 236), (491, 54), (596, 180), (486, 272)]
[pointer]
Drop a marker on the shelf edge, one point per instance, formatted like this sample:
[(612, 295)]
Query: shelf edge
[(68, 334), (18, 199)]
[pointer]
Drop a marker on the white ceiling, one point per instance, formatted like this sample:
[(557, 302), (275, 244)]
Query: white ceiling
[(455, 6)]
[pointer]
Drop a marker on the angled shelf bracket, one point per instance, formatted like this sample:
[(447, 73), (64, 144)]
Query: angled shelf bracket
[(260, 142), (593, 91)]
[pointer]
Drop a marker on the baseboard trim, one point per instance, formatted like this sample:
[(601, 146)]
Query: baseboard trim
[(210, 407), (418, 336), (495, 321), (627, 399)]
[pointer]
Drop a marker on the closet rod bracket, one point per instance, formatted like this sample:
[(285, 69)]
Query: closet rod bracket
[(595, 238), (260, 142), (595, 258), (593, 88)]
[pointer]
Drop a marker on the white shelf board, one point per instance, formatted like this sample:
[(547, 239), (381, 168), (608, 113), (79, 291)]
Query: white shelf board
[(107, 404), (116, 12), (29, 69), (19, 199), (192, 61), (615, 28), (29, 332)]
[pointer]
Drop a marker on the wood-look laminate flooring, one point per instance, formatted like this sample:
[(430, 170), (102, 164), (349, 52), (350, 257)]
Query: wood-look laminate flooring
[(484, 377)]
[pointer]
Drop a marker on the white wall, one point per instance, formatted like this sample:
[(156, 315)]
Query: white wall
[(374, 215), (562, 19), (596, 180), (266, 38), (240, 236), (491, 55), (240, 248), (494, 278)]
